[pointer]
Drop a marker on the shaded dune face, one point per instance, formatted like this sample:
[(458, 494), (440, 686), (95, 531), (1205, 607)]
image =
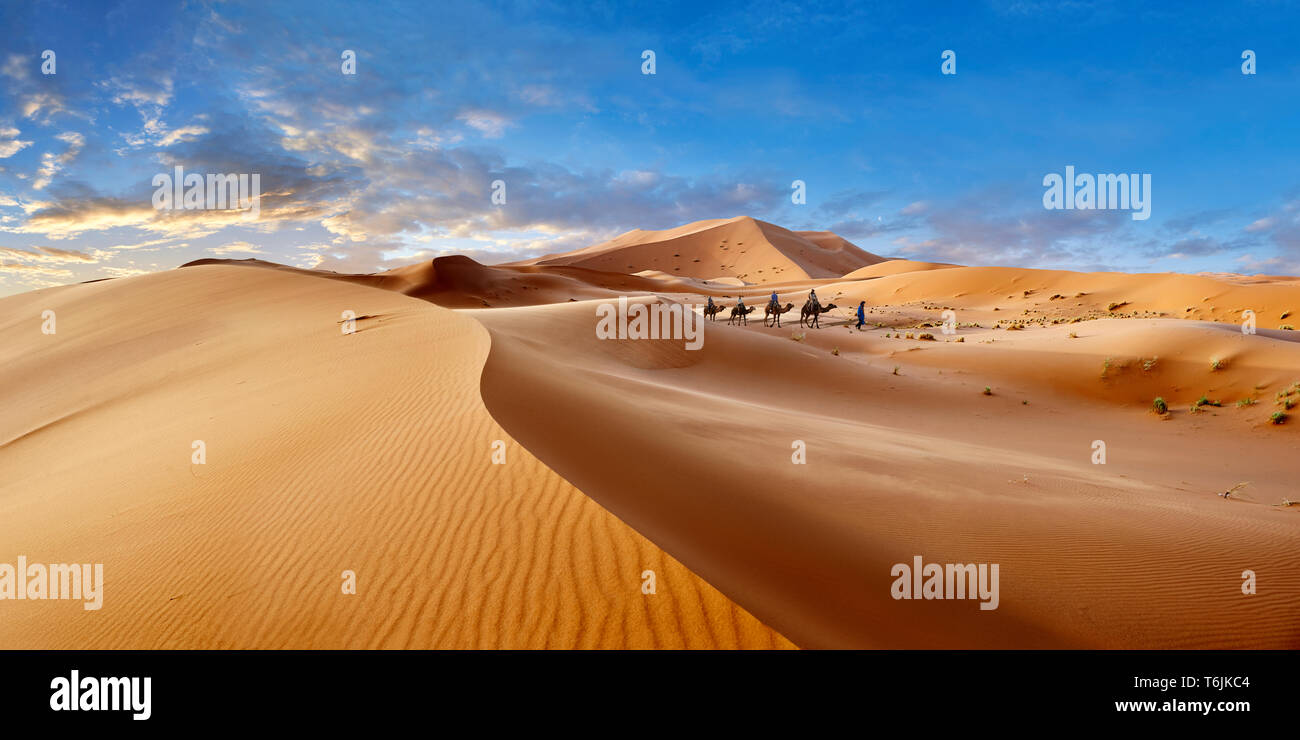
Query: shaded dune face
[(698, 459), (325, 452)]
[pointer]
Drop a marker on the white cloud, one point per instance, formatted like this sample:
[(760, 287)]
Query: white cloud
[(12, 146), (52, 163), (491, 125), (184, 133), (240, 247)]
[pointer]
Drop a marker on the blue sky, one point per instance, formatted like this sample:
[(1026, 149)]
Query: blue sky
[(395, 164)]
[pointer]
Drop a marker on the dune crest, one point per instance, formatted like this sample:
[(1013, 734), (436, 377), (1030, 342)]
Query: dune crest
[(754, 251)]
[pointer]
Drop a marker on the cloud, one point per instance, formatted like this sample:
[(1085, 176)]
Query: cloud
[(1261, 225), (48, 255), (184, 133), (866, 228), (975, 230), (10, 144), (52, 163), (141, 93), (1282, 229), (448, 193), (1200, 246), (236, 248), (34, 101), (1249, 264), (34, 270), (491, 125)]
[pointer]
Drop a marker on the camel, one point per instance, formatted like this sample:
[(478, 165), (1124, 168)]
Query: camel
[(737, 313), (814, 311), (774, 313), (711, 312)]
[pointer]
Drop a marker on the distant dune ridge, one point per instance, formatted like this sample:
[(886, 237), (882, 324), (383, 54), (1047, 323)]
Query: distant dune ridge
[(746, 248), (371, 452)]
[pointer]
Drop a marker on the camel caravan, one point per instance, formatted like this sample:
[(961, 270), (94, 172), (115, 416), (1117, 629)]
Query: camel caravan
[(809, 315)]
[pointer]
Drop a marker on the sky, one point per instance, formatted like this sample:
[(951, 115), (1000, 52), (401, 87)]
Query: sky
[(397, 163)]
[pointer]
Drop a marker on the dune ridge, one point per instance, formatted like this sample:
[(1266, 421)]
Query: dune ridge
[(754, 251), (701, 464)]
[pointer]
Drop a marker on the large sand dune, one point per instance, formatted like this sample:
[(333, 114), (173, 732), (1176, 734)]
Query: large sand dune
[(745, 248), (326, 452), (1137, 553)]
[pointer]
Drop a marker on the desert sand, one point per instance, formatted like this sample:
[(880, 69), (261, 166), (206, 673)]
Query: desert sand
[(372, 451), (326, 452)]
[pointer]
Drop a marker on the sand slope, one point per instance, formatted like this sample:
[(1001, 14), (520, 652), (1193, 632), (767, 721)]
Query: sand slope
[(746, 248), (369, 452), (694, 450), (894, 267)]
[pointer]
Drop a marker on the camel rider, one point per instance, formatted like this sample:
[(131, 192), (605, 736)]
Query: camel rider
[(740, 305), (775, 303), (812, 299), (710, 305)]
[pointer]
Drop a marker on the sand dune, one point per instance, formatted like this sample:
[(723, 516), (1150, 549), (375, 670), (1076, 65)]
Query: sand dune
[(751, 250), (369, 452), (1139, 553), (1063, 294), (894, 267)]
